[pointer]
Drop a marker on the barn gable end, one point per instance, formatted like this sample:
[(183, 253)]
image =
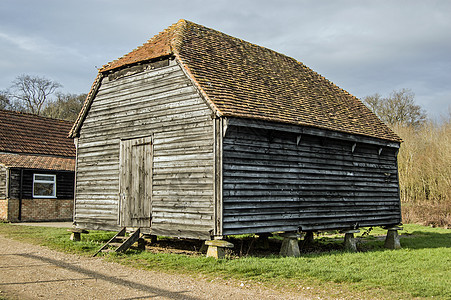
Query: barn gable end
[(158, 102)]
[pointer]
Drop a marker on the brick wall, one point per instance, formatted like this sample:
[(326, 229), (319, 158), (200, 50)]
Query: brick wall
[(9, 210), (37, 210), (47, 209), (3, 209)]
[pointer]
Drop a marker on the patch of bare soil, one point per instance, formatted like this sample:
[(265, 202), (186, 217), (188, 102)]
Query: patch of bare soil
[(34, 272)]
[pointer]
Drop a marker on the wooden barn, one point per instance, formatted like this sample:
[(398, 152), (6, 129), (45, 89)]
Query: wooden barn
[(198, 134), (37, 168)]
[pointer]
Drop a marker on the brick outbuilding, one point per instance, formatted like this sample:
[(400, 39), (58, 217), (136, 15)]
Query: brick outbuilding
[(37, 163)]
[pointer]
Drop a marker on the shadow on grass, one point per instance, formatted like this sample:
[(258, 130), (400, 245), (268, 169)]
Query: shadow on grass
[(425, 240)]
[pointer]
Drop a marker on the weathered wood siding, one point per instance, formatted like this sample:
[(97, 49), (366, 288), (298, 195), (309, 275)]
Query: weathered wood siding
[(161, 103), (282, 181), (3, 182)]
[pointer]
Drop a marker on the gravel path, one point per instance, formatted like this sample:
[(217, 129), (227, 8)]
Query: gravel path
[(34, 272)]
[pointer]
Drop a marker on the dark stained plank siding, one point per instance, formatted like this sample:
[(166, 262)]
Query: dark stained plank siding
[(273, 184), (161, 103), (3, 182), (14, 183), (64, 183)]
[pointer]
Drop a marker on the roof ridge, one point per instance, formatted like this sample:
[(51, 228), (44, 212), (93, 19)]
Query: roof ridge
[(28, 114), (179, 29), (174, 29), (239, 78)]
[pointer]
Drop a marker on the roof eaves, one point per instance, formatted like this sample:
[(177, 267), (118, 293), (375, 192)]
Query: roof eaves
[(395, 137), (84, 111)]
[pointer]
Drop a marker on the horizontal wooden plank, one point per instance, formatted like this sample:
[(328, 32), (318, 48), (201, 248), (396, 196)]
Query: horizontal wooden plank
[(95, 207), (304, 206), (182, 176), (183, 230), (311, 173), (204, 181), (273, 151), (156, 220), (150, 125), (180, 215), (195, 157), (96, 214), (171, 200), (187, 170), (183, 193), (207, 211)]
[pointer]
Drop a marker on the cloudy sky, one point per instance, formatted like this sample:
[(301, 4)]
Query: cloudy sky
[(364, 47)]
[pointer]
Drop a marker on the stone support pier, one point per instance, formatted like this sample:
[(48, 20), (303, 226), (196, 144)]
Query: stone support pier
[(350, 242), (290, 244), (392, 238)]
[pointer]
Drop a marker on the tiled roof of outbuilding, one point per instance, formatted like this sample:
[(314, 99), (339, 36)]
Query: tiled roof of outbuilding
[(25, 133), (37, 162), (240, 79)]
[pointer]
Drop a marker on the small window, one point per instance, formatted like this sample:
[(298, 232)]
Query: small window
[(44, 186)]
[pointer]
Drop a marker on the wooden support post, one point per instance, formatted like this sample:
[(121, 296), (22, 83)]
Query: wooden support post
[(216, 248), (141, 244), (392, 238), (350, 242), (263, 241), (308, 238), (153, 239), (290, 245), (75, 236), (203, 248)]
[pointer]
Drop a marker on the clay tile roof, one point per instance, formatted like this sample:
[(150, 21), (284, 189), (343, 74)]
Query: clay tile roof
[(37, 162), (240, 79), (24, 133)]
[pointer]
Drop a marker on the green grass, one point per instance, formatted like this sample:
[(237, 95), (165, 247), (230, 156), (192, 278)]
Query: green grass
[(422, 268)]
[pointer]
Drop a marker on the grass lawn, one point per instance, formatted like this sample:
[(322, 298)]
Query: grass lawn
[(422, 268)]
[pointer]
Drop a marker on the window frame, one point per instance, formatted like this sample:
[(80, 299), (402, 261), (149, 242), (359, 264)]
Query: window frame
[(53, 196)]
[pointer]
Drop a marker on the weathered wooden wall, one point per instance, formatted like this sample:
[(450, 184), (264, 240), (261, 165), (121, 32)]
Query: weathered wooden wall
[(3, 189), (156, 100), (3, 182), (282, 181)]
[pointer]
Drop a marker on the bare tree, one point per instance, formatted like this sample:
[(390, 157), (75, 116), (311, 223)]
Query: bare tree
[(32, 92), (65, 107), (398, 108), (4, 100)]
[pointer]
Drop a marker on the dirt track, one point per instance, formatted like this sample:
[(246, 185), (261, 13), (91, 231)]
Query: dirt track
[(34, 272)]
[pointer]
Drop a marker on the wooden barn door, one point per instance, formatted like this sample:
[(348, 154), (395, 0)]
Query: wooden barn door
[(135, 182)]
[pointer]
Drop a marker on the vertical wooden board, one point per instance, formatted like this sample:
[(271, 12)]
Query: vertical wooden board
[(218, 182), (3, 182), (135, 182)]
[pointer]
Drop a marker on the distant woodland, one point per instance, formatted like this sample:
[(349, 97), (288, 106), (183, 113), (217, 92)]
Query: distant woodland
[(41, 96), (424, 159)]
